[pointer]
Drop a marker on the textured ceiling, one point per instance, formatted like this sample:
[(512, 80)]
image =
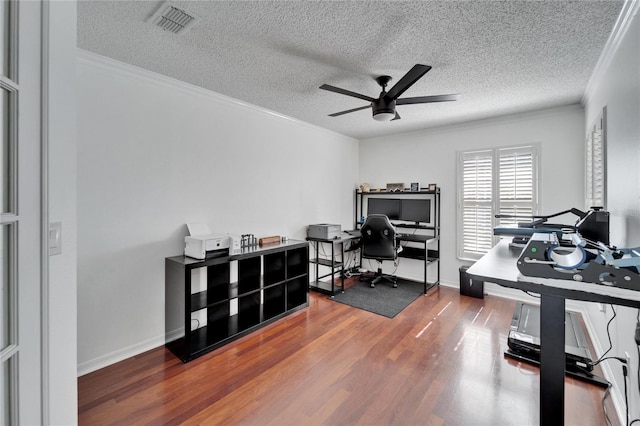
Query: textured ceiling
[(501, 56)]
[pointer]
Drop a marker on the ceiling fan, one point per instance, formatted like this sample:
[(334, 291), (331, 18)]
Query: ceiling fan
[(384, 107)]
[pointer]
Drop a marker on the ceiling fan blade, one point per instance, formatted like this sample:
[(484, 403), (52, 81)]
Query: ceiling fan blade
[(346, 92), (427, 99), (407, 81), (397, 117), (349, 110)]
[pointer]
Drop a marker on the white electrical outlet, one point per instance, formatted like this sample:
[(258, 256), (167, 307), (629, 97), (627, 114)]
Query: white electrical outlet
[(602, 307)]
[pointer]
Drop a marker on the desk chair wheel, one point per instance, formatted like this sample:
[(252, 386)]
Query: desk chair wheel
[(395, 285), (373, 285)]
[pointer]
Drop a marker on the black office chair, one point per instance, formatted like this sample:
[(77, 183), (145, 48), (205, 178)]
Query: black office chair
[(379, 243)]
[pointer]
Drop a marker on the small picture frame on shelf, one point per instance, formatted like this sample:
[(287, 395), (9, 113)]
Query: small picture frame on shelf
[(415, 187), (395, 187), (432, 187)]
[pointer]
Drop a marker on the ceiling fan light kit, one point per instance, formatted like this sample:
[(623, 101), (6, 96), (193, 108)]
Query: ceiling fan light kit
[(383, 116), (384, 107), (383, 110)]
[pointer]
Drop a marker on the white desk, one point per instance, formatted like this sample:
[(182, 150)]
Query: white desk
[(499, 266)]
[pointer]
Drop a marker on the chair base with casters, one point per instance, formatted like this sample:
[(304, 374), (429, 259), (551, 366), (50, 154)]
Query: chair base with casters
[(379, 276)]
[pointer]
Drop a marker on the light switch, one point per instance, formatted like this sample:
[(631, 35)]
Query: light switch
[(55, 238)]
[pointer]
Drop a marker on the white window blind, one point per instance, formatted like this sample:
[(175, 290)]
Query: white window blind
[(477, 201), (493, 181), (516, 183)]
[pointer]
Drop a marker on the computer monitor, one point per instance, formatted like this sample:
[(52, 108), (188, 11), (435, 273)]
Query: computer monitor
[(413, 210), (387, 206)]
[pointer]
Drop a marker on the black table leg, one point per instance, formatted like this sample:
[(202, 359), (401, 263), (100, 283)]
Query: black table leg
[(552, 360)]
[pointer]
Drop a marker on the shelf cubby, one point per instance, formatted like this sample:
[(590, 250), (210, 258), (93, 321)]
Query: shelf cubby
[(297, 291), (248, 310), (297, 262), (217, 283), (274, 270), (249, 274), (217, 323), (274, 301)]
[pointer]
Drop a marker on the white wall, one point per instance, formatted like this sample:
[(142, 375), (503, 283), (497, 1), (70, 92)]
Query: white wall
[(616, 85), (154, 154), (429, 156), (63, 397)]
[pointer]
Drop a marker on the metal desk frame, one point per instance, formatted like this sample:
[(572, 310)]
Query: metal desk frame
[(499, 266), (333, 265)]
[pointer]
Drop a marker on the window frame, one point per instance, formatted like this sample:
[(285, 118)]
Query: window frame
[(495, 154)]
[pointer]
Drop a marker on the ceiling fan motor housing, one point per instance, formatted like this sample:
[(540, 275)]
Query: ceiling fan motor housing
[(383, 109)]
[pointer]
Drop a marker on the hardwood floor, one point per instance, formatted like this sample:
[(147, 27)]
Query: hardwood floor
[(439, 362)]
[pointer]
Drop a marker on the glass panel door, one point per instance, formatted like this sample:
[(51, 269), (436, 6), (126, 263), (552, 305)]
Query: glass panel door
[(8, 304), (20, 227)]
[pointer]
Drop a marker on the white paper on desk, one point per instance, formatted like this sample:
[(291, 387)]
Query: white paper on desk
[(198, 229)]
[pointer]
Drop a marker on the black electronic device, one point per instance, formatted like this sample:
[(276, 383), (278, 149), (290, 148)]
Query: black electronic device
[(594, 225), (389, 207), (546, 256), (407, 210), (415, 210), (524, 337)]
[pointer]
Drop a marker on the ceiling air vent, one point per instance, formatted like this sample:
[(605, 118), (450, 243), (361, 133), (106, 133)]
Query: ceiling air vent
[(172, 18)]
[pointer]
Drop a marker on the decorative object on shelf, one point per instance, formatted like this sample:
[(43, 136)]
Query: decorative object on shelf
[(415, 187), (269, 240), (432, 187), (365, 187), (395, 187), (248, 240)]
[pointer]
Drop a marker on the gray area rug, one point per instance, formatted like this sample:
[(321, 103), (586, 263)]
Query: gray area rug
[(383, 299)]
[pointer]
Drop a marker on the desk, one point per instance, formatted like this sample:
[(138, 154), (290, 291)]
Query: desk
[(421, 253), (499, 266), (334, 265)]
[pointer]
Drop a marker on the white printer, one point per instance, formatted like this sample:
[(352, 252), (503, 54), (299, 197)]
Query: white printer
[(201, 246), (324, 231)]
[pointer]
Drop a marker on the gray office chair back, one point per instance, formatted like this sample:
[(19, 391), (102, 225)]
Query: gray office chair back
[(378, 238)]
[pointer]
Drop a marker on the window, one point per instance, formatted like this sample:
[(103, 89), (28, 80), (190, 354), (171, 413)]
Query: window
[(494, 181)]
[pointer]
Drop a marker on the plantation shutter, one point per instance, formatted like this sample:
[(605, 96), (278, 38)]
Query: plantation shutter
[(516, 183), (477, 202), (497, 181)]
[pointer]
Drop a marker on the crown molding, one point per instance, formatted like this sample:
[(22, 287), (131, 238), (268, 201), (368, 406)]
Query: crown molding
[(622, 25), (113, 65)]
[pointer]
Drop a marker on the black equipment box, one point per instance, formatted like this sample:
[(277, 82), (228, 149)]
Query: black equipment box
[(469, 287)]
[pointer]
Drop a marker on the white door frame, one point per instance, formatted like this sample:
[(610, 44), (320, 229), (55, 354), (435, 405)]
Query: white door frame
[(25, 390)]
